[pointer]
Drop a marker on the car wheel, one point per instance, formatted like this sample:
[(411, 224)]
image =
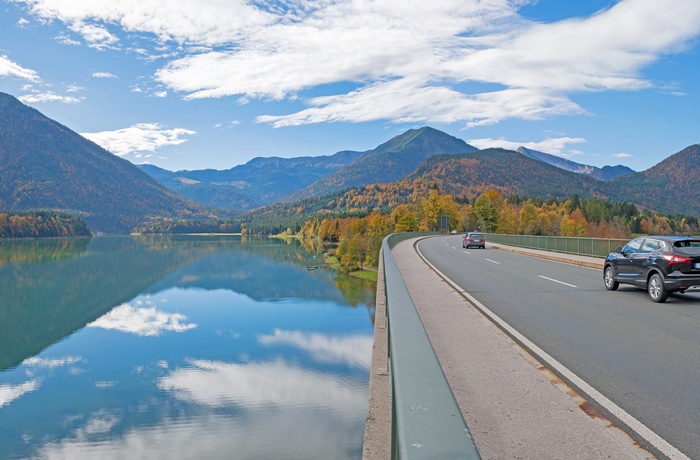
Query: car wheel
[(656, 288), (609, 279)]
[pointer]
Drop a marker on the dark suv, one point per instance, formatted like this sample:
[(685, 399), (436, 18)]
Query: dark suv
[(474, 239), (659, 264)]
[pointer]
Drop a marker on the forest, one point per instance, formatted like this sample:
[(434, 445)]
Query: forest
[(359, 239), (41, 224)]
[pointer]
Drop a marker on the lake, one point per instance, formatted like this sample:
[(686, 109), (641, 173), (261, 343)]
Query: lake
[(181, 347)]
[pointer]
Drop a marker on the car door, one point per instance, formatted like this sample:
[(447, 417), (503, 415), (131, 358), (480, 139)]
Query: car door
[(644, 259), (629, 264)]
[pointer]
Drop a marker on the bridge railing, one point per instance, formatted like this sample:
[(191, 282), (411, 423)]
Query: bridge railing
[(595, 247), (426, 420)]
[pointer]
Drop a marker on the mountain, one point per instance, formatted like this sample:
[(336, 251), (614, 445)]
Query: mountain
[(259, 182), (389, 162), (605, 173), (669, 187), (45, 165)]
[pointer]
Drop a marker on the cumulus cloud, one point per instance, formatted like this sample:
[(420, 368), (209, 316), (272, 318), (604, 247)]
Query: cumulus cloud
[(142, 321), (354, 350), (142, 137), (553, 145), (9, 68), (475, 62)]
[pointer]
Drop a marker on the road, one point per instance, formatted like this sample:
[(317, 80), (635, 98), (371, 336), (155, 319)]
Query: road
[(643, 356)]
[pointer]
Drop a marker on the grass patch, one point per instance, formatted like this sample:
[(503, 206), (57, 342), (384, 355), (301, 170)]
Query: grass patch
[(365, 275)]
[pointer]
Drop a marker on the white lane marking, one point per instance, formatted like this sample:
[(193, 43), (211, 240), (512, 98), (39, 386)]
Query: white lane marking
[(494, 262), (467, 252), (642, 430), (557, 281)]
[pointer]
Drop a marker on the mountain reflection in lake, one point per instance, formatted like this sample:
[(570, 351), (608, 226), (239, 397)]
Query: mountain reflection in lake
[(180, 347)]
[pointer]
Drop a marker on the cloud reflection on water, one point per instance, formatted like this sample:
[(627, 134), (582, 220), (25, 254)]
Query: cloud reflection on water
[(271, 434), (142, 321), (9, 393), (216, 383), (353, 350)]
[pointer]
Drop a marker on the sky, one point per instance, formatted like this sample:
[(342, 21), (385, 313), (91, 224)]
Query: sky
[(214, 83)]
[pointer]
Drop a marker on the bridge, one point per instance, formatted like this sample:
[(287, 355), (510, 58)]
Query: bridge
[(525, 355)]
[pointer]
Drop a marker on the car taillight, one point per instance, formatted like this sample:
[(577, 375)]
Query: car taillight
[(672, 259), (469, 239)]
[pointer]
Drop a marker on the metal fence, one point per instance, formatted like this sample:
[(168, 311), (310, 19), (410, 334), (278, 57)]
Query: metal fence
[(426, 420), (595, 247)]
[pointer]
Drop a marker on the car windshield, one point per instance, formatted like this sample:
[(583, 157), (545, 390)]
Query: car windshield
[(476, 235), (690, 247)]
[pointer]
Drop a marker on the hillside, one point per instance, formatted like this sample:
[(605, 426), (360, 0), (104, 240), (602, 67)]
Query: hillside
[(45, 165), (387, 163), (468, 175), (605, 173), (669, 187), (257, 183)]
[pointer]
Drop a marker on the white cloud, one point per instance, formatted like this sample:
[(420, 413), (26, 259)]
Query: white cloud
[(142, 321), (9, 393), (552, 145), (103, 75), (160, 94), (275, 384), (74, 89), (354, 350), (96, 36), (65, 39), (622, 155), (422, 62), (141, 137), (12, 69), (227, 124), (48, 96)]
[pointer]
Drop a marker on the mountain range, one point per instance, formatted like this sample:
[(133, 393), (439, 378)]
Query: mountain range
[(605, 173), (43, 164), (257, 183)]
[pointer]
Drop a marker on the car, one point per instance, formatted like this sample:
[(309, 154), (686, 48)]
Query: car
[(659, 264), (475, 239)]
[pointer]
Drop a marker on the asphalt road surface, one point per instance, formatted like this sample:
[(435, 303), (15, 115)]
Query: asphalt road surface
[(643, 356)]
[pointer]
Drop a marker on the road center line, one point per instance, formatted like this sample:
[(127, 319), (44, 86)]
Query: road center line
[(557, 281), (494, 262)]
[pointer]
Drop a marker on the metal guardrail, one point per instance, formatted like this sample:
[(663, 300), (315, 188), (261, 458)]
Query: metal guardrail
[(595, 247), (426, 420)]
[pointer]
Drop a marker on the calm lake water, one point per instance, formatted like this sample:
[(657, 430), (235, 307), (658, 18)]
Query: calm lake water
[(180, 347)]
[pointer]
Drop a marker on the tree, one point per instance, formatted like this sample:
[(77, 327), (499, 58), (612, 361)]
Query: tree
[(488, 208)]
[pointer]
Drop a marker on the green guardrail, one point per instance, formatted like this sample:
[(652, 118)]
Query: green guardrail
[(594, 247), (426, 420)]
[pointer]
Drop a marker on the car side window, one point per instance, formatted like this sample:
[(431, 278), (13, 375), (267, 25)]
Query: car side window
[(632, 247), (651, 246)]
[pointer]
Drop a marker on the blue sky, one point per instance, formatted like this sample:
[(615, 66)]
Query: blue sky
[(214, 83)]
